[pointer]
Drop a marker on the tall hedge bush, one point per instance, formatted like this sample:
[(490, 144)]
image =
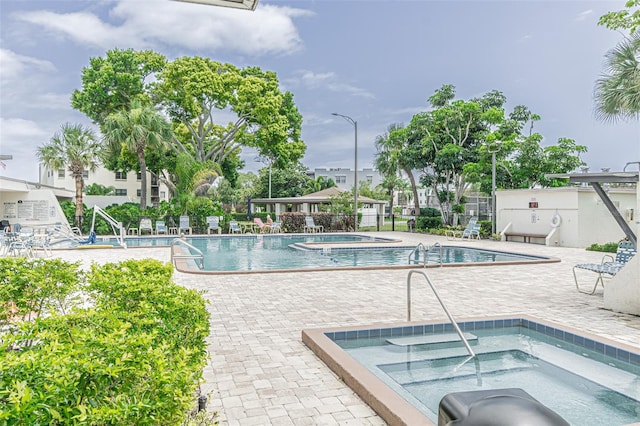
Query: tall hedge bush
[(129, 352)]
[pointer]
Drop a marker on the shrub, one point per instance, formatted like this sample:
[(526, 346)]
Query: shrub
[(134, 357), (429, 218), (607, 247)]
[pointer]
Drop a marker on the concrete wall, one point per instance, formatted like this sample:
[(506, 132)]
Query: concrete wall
[(37, 209), (584, 219)]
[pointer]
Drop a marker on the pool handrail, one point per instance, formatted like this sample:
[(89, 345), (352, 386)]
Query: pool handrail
[(446, 311), (199, 254), (421, 248)]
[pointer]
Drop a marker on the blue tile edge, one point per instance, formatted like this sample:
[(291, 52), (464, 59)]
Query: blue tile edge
[(422, 329)]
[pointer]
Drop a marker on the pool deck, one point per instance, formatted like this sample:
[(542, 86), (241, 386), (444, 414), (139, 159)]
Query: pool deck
[(261, 373)]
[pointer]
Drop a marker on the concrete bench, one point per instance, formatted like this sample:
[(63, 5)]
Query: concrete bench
[(526, 236)]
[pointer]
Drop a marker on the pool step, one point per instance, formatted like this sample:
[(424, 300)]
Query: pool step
[(430, 339)]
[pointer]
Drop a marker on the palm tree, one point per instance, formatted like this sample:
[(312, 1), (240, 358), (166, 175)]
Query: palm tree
[(77, 148), (137, 129), (617, 93)]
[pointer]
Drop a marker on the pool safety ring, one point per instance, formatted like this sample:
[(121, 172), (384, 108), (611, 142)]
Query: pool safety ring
[(556, 220)]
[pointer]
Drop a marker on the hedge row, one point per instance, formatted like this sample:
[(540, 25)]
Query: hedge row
[(118, 345)]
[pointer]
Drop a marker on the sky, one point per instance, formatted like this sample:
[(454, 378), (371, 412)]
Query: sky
[(376, 61)]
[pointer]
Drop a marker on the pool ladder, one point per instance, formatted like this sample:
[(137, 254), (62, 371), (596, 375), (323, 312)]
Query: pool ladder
[(446, 311), (421, 249), (199, 255)]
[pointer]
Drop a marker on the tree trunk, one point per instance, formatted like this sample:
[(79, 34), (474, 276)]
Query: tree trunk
[(414, 189), (143, 179), (79, 209)]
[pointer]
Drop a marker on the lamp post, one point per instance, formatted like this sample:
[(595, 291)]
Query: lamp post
[(493, 148), (355, 170)]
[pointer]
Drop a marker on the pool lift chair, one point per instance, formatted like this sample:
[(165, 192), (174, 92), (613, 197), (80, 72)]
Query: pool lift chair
[(117, 228), (608, 267)]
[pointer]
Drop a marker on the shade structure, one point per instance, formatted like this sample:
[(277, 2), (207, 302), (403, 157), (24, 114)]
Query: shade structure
[(238, 4)]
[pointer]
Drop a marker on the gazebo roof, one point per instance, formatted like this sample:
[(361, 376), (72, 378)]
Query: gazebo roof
[(316, 197)]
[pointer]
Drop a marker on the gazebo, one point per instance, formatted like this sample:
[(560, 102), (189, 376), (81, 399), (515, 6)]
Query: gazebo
[(372, 210)]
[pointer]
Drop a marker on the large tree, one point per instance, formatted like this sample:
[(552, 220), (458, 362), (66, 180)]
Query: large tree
[(137, 129), (218, 108), (617, 92), (112, 83), (78, 149)]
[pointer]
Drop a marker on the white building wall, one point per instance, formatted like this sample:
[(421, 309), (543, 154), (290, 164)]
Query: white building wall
[(584, 218), (129, 186)]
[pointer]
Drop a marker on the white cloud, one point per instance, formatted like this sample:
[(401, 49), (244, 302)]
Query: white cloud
[(327, 81), (13, 65), (583, 15), (149, 24)]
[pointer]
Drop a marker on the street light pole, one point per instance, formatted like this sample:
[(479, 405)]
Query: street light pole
[(493, 151), (355, 171)]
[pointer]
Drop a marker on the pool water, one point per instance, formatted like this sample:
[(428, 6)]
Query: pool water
[(585, 386), (297, 252)]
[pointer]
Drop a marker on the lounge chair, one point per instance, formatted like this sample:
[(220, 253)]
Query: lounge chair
[(276, 227), (145, 225), (161, 227), (234, 227), (608, 267), (213, 224), (310, 225), (263, 226), (184, 225), (471, 231)]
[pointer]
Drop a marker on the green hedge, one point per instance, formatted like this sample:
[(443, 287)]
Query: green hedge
[(119, 345)]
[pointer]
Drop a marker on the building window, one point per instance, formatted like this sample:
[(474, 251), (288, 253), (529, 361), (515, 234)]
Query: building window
[(124, 192), (61, 174), (139, 176), (85, 174), (369, 179), (139, 193), (121, 175), (163, 195), (341, 179)]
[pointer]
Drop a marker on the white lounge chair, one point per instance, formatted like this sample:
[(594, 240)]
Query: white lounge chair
[(234, 227), (161, 227), (184, 225), (213, 224), (310, 225), (608, 267), (471, 231), (145, 225)]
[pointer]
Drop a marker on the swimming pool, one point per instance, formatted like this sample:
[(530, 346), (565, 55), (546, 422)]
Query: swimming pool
[(584, 379), (258, 253)]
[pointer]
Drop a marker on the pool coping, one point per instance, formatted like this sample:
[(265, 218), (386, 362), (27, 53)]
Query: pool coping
[(191, 267), (388, 404)]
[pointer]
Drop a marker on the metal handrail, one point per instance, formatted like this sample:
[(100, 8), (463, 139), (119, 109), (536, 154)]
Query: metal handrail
[(436, 244), (199, 254), (421, 248), (446, 311)]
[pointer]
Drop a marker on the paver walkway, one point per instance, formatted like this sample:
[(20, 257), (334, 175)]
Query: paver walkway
[(260, 372)]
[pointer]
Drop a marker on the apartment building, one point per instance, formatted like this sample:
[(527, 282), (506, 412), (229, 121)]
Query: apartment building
[(126, 184)]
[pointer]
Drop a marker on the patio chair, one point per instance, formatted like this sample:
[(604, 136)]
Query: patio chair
[(608, 267), (145, 225), (471, 231), (276, 228), (234, 227), (264, 227), (310, 225), (184, 225), (213, 224), (161, 227)]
